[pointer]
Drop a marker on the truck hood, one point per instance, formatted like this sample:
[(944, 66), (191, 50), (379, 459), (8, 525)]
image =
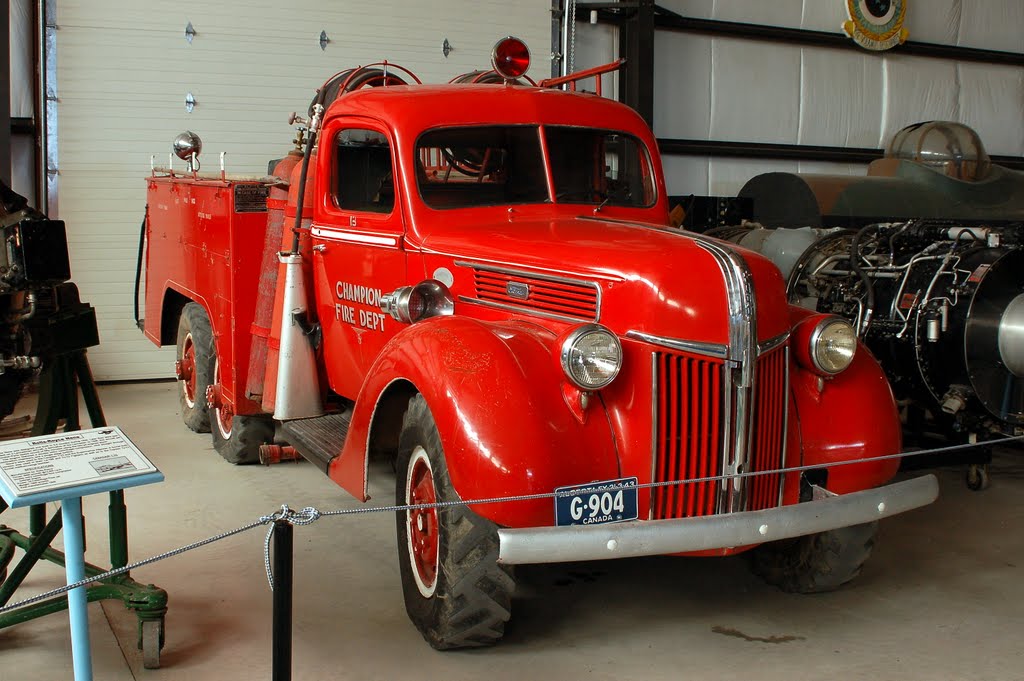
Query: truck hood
[(651, 279)]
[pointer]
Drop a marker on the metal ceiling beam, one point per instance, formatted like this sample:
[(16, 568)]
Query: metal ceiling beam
[(790, 152), (667, 20)]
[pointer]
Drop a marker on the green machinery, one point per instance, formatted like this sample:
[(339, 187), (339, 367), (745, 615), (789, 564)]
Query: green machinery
[(62, 328)]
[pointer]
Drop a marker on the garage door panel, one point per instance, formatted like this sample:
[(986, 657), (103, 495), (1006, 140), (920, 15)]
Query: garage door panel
[(125, 67)]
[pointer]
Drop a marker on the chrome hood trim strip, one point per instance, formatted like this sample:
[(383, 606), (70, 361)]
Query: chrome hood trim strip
[(772, 343), (741, 368), (716, 350)]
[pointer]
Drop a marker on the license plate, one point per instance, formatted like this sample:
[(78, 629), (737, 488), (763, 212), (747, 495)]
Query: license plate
[(610, 501)]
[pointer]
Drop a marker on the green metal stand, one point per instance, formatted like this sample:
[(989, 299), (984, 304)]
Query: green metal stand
[(60, 382)]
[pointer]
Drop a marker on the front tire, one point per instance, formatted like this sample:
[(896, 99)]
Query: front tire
[(195, 356), (818, 562), (456, 593)]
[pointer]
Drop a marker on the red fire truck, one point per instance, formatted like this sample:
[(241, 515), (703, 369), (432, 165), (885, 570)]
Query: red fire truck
[(478, 281)]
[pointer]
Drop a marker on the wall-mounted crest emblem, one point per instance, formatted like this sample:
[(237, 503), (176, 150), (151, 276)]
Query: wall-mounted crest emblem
[(876, 24)]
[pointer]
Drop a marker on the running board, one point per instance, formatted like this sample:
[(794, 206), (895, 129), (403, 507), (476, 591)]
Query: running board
[(319, 440)]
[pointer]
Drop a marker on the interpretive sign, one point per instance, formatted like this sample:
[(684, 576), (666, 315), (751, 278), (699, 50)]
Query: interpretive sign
[(76, 463)]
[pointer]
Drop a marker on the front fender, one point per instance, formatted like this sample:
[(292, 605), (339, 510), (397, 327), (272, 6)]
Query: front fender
[(848, 417), (495, 392)]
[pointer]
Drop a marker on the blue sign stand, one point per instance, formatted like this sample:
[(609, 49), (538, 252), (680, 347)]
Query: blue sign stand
[(74, 565), (66, 467)]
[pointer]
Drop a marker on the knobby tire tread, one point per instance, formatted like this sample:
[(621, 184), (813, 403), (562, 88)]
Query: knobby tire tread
[(816, 563), (473, 600), (194, 319), (247, 434)]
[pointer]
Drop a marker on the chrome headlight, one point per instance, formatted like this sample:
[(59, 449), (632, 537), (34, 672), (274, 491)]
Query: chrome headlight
[(409, 304), (591, 357), (833, 345)]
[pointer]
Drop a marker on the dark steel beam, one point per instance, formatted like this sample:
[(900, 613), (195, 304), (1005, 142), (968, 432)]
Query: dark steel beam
[(557, 14), (794, 152), (636, 44), (789, 152), (671, 21), (38, 108), (798, 36), (668, 20)]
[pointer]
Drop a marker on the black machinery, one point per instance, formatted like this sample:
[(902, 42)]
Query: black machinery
[(45, 330)]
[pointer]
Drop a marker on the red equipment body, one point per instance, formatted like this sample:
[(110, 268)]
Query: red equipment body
[(205, 245), (523, 276)]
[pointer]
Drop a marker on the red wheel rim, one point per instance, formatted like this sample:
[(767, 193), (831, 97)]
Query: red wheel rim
[(223, 415), (188, 371), (224, 421), (422, 524)]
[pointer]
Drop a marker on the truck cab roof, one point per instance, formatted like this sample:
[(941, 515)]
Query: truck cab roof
[(421, 107)]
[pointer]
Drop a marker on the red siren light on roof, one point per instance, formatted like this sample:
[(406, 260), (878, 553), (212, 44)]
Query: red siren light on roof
[(510, 58)]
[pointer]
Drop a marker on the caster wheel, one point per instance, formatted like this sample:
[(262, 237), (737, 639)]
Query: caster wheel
[(152, 642), (977, 477)]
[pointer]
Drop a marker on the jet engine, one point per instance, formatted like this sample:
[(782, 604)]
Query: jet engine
[(925, 256)]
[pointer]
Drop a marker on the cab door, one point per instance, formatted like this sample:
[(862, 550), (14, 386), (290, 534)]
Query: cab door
[(358, 247)]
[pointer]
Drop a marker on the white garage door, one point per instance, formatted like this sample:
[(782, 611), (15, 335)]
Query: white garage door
[(124, 69)]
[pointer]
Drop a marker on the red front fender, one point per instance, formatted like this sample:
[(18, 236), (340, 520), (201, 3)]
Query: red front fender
[(495, 391), (845, 418)]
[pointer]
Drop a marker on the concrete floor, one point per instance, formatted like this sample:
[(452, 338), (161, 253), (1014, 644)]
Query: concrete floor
[(940, 599)]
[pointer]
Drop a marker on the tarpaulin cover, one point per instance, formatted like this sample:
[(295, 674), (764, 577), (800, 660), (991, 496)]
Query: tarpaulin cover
[(21, 59)]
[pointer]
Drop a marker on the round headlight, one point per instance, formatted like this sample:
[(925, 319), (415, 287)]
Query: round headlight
[(591, 357), (409, 304), (833, 345)]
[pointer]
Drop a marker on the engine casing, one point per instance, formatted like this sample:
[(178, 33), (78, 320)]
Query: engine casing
[(940, 305)]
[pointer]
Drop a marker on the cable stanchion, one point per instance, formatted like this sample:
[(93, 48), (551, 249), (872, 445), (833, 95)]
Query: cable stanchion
[(282, 633)]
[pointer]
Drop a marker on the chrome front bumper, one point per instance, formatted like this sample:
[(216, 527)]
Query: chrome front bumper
[(685, 535)]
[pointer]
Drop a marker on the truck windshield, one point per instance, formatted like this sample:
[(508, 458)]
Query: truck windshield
[(495, 165), (481, 166), (600, 167)]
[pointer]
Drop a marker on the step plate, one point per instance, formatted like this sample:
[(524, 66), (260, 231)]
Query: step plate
[(318, 439)]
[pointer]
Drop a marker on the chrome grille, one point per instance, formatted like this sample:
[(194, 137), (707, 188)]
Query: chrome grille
[(689, 434), (691, 442), (769, 430)]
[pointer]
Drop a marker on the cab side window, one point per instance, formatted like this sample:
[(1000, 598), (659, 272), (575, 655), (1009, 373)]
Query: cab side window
[(363, 176)]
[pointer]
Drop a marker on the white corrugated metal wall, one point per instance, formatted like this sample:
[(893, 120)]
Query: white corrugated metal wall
[(125, 67), (710, 88)]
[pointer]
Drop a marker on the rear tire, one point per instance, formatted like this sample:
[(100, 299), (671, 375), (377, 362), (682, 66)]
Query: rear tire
[(818, 562), (456, 593), (238, 438), (195, 357)]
